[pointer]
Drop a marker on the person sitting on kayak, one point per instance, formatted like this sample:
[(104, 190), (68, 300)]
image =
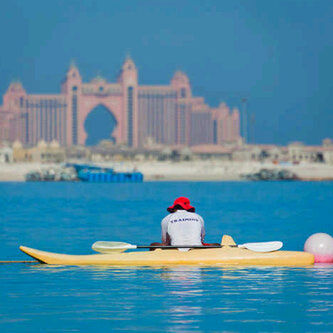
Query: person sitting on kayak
[(182, 226)]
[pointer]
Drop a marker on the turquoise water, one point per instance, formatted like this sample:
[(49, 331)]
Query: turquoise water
[(70, 217)]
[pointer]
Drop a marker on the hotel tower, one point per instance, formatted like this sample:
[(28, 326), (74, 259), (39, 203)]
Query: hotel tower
[(163, 114)]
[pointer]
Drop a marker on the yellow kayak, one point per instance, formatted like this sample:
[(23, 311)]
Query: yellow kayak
[(226, 255)]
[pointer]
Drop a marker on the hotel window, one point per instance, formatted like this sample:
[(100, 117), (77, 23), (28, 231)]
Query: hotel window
[(26, 127), (215, 131), (183, 93), (130, 116), (74, 116)]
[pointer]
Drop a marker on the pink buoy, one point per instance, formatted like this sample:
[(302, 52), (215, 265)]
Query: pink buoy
[(321, 246)]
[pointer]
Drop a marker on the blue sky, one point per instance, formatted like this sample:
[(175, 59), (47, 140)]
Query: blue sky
[(277, 54)]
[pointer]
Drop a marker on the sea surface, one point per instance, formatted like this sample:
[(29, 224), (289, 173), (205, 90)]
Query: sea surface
[(69, 217)]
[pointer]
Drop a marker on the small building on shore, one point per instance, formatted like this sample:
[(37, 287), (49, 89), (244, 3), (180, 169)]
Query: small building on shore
[(42, 153), (299, 153), (212, 152), (260, 153), (6, 154), (295, 152)]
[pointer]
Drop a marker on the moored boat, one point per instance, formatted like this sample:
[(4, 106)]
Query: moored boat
[(271, 174)]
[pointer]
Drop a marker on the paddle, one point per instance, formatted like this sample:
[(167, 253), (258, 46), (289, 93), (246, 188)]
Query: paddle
[(109, 247)]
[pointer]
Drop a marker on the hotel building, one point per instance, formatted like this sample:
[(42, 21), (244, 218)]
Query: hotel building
[(162, 114)]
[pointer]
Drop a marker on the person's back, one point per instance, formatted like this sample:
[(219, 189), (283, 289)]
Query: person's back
[(183, 226)]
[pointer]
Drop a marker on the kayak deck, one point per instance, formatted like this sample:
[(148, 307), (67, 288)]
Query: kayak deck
[(199, 257)]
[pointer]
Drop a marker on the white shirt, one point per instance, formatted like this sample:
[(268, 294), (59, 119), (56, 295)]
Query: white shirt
[(183, 228)]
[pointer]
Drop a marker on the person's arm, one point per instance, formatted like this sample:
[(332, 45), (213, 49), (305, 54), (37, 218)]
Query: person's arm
[(203, 232), (168, 240), (164, 227)]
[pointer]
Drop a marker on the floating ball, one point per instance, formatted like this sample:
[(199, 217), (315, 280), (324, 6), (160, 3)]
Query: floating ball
[(321, 246)]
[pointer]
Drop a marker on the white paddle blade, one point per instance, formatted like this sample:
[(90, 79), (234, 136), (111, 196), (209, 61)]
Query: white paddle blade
[(111, 247), (263, 246)]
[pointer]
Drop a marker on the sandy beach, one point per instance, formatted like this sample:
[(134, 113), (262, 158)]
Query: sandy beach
[(190, 170)]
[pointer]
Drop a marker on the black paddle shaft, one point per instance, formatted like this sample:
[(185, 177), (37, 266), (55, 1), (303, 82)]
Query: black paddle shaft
[(181, 246)]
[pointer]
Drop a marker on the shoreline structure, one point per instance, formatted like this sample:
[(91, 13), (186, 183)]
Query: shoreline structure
[(183, 170)]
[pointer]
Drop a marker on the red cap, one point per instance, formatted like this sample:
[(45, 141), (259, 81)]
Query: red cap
[(184, 203)]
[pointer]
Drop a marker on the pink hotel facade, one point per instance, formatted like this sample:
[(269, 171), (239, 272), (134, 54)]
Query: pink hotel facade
[(166, 114)]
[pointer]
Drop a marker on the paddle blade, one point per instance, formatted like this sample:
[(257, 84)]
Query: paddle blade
[(111, 247), (263, 246)]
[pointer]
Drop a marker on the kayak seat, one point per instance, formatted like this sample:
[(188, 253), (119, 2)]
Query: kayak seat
[(227, 240)]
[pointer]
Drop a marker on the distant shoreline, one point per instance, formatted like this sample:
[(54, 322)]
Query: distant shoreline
[(208, 170)]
